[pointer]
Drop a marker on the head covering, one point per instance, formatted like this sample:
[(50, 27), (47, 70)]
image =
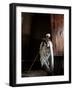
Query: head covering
[(48, 35)]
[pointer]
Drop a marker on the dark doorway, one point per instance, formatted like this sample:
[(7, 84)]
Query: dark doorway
[(40, 25)]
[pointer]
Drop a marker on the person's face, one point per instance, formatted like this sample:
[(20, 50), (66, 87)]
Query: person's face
[(47, 38)]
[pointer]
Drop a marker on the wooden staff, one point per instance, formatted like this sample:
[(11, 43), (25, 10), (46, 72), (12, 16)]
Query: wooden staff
[(33, 63)]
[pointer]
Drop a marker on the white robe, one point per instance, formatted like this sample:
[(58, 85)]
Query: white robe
[(46, 53)]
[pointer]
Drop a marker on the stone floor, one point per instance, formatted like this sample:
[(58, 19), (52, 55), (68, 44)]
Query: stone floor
[(34, 73)]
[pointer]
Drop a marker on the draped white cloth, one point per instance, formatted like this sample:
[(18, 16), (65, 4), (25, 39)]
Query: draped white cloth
[(46, 53)]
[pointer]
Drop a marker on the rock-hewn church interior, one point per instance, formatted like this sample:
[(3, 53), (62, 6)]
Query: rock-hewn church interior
[(34, 28)]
